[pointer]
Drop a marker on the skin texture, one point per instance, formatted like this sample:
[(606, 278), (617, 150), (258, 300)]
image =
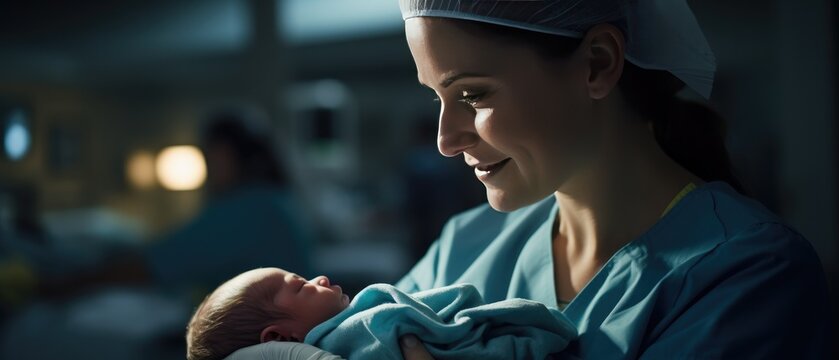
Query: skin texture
[(560, 126)]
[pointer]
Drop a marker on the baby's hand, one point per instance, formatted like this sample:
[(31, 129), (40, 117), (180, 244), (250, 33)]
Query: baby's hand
[(413, 349)]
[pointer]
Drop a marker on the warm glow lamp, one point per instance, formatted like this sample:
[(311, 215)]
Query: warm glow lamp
[(181, 168), (139, 169)]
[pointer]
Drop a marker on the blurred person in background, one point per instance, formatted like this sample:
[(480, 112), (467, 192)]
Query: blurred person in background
[(250, 219)]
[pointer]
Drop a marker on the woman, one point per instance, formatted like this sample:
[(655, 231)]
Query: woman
[(609, 197), (646, 242)]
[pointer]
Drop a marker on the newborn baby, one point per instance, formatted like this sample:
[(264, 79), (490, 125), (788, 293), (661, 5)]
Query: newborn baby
[(271, 304)]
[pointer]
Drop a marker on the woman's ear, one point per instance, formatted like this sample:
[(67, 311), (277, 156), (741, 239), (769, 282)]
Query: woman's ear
[(277, 333), (604, 52)]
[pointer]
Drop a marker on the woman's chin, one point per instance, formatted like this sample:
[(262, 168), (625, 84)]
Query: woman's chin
[(507, 201), (504, 201)]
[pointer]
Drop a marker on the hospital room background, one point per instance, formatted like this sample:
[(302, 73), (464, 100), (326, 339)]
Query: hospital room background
[(122, 122)]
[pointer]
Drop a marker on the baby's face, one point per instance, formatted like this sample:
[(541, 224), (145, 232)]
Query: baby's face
[(309, 302)]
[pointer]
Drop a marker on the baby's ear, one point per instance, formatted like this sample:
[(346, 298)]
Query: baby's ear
[(276, 333)]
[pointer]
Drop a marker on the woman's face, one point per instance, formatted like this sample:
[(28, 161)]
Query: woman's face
[(521, 120)]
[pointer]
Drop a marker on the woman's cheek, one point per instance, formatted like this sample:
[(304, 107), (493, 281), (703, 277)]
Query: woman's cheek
[(486, 124), (482, 118)]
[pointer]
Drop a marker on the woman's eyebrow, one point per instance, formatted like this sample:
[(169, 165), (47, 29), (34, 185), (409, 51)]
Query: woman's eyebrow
[(457, 76), (454, 77)]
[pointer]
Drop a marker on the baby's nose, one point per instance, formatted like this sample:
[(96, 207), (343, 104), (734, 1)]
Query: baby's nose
[(321, 280)]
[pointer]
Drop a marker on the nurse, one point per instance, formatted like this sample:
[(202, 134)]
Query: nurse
[(609, 196)]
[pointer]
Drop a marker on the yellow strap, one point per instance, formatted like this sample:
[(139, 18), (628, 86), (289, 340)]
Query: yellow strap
[(688, 188)]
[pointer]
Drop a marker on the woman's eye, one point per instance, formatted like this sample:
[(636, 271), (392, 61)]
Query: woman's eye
[(471, 98), (466, 97)]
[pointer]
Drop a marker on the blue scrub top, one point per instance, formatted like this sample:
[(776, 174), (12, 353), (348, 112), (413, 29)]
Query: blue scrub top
[(719, 276)]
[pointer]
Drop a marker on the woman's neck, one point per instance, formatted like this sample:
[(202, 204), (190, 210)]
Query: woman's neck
[(617, 198)]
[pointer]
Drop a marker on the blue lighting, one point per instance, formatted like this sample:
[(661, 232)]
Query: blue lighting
[(307, 21), (17, 137)]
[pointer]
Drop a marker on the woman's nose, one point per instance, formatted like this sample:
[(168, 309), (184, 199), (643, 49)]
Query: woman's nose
[(456, 131)]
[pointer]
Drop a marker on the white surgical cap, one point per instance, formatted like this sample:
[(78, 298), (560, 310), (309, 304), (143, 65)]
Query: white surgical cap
[(660, 34)]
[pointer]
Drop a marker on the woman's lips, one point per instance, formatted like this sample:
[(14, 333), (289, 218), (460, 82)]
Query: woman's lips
[(485, 171)]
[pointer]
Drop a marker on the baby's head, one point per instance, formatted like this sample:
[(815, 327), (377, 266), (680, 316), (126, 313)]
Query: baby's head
[(257, 306)]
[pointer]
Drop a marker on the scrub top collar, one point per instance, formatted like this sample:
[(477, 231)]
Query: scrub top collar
[(661, 236)]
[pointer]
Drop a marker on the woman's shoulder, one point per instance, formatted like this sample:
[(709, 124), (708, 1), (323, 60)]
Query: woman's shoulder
[(716, 229), (746, 221), (725, 267), (737, 212), (731, 270), (725, 230)]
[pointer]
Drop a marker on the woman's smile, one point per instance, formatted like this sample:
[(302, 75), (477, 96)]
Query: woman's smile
[(485, 171)]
